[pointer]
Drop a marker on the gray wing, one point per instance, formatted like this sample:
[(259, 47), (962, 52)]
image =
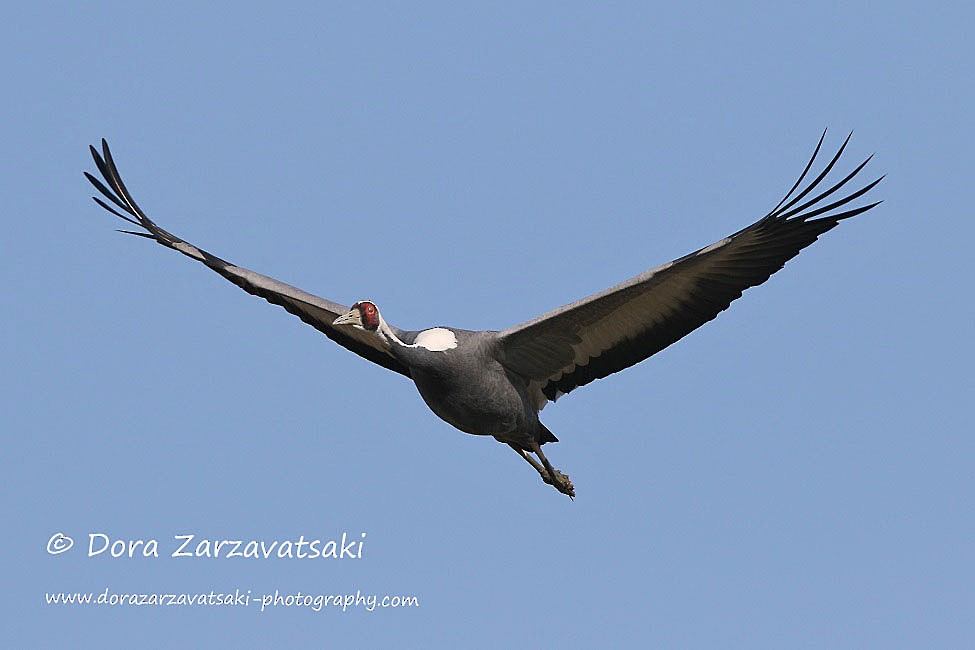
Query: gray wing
[(623, 325), (317, 312)]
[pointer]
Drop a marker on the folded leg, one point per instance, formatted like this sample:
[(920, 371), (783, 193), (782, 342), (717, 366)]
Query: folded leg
[(548, 473)]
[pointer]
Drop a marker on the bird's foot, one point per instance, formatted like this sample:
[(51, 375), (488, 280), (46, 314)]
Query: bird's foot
[(561, 483)]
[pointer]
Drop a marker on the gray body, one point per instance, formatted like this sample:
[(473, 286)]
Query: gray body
[(495, 383), (470, 389)]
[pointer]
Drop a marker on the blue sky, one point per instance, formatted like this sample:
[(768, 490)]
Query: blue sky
[(795, 474)]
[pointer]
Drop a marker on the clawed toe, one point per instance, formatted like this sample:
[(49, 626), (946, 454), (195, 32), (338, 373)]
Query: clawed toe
[(561, 483), (549, 474)]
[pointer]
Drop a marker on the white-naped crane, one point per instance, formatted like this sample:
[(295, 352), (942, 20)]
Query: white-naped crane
[(495, 383)]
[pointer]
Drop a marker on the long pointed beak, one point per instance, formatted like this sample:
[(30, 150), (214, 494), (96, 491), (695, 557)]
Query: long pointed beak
[(349, 318)]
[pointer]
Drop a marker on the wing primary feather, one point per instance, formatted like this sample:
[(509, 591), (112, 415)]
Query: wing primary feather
[(822, 175), (801, 176), (850, 213), (138, 234), (823, 195), (103, 170), (841, 202), (117, 214), (105, 191), (117, 178)]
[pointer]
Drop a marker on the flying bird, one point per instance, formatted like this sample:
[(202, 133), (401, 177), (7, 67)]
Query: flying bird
[(495, 383)]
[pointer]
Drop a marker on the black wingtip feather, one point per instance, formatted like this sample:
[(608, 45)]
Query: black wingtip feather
[(137, 234), (788, 211), (116, 180), (106, 192), (120, 196), (102, 169), (799, 180), (813, 201), (818, 179), (841, 202), (112, 210), (855, 211)]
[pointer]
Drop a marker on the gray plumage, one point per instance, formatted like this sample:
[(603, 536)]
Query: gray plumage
[(495, 383)]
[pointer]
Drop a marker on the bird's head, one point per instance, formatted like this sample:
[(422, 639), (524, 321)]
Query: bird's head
[(364, 315)]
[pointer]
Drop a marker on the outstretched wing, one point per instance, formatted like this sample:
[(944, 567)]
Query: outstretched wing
[(317, 312), (623, 325)]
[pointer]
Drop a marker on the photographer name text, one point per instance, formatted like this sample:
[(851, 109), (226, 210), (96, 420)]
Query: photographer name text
[(347, 547)]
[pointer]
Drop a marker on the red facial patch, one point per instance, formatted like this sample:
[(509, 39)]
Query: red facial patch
[(369, 314)]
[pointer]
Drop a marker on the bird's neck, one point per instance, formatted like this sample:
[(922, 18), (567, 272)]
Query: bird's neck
[(388, 336)]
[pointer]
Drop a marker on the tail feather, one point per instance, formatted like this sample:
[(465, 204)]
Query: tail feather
[(547, 436)]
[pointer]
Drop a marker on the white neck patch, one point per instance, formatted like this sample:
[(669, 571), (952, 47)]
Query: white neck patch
[(438, 339)]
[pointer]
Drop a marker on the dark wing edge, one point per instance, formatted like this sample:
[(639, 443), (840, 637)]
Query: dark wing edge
[(313, 310), (625, 324)]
